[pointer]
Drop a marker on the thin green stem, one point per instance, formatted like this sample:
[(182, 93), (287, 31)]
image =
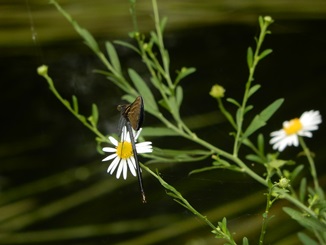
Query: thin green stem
[(297, 203), (178, 197), (42, 70), (311, 162), (252, 68), (209, 146), (164, 53)]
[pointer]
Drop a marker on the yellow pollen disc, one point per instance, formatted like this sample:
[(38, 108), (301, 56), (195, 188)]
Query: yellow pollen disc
[(124, 150), (293, 127)]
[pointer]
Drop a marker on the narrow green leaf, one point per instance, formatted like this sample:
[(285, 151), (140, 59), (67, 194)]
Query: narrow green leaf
[(261, 143), (233, 101), (238, 116), (261, 22), (296, 172), (265, 53), (163, 24), (261, 119), (306, 240), (248, 108), (306, 221), (144, 90), (303, 190), (94, 114), (183, 73), (75, 104), (113, 56), (250, 57), (245, 241), (253, 90), (127, 45), (154, 38), (165, 105), (89, 39), (179, 95), (254, 158)]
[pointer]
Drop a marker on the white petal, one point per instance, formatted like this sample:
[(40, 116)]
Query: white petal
[(144, 148), (137, 133), (132, 167), (125, 169), (133, 161), (113, 141), (109, 149), (110, 157), (121, 164), (113, 165), (310, 120)]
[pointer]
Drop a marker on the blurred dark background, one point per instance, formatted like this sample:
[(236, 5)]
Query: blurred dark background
[(53, 186)]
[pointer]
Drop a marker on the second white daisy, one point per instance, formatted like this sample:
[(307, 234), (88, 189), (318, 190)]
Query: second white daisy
[(302, 126), (122, 154)]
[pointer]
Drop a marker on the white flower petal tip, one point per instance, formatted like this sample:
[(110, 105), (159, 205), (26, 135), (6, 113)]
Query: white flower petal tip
[(302, 126), (122, 154)]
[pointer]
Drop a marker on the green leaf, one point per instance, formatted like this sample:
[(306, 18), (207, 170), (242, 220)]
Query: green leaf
[(144, 90), (254, 158), (261, 143), (127, 45), (165, 105), (88, 38), (261, 119), (303, 190), (233, 101), (75, 104), (306, 221), (179, 95), (168, 155), (306, 240), (265, 53), (296, 172), (250, 57), (253, 90), (183, 73), (113, 56), (94, 114), (245, 241), (163, 23)]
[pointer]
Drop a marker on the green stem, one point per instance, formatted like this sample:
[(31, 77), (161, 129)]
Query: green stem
[(311, 162), (252, 68), (42, 70), (207, 145), (178, 197), (164, 53), (265, 217)]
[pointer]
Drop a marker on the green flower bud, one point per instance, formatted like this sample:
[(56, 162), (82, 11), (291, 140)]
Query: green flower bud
[(217, 91)]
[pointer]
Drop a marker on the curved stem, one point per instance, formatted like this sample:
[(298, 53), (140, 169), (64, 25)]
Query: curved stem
[(311, 162)]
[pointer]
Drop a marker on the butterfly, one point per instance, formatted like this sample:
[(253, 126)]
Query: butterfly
[(132, 116)]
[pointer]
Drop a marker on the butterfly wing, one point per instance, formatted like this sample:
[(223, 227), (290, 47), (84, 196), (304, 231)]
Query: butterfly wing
[(133, 113)]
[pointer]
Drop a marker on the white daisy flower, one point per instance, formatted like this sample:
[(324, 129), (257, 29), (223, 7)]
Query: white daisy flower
[(302, 126), (123, 155)]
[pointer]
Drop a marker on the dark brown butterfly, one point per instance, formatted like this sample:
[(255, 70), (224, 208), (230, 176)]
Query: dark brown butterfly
[(134, 113), (132, 117)]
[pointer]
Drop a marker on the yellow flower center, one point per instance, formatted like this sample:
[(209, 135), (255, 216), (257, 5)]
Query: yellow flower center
[(293, 127), (124, 150)]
